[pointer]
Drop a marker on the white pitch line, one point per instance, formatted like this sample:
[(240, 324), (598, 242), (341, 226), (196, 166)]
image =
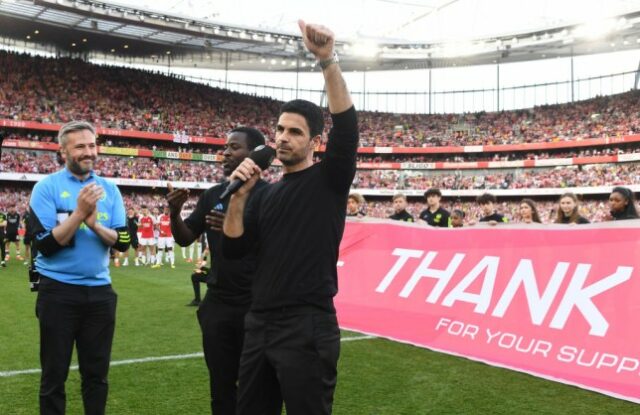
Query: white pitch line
[(11, 373)]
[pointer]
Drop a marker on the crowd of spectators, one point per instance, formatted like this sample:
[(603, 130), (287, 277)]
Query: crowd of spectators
[(587, 175), (593, 209), (43, 162), (498, 156), (52, 90), (20, 161), (59, 90), (369, 158)]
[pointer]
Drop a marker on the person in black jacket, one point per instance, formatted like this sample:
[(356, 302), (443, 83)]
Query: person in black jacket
[(622, 204), (222, 311), (487, 203), (434, 214), (400, 209), (568, 210), (292, 339)]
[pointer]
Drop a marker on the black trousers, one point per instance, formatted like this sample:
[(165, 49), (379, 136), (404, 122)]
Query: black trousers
[(289, 355), (222, 328), (3, 242), (82, 315), (196, 280)]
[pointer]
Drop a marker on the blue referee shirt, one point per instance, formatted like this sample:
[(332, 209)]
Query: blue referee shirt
[(53, 199)]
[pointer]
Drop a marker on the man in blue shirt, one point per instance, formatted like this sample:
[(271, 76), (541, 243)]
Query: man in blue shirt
[(76, 217)]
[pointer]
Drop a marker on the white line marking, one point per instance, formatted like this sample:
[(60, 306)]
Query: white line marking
[(11, 373)]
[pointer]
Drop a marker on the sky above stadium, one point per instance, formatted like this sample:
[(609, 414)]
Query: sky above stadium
[(397, 20)]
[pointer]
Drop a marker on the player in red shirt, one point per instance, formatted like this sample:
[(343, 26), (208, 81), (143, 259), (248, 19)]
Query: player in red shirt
[(147, 239), (165, 240)]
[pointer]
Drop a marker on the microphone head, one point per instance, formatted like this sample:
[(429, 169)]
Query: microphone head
[(263, 156)]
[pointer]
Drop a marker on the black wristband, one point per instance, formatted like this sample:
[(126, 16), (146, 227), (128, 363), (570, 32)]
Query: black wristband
[(124, 239)]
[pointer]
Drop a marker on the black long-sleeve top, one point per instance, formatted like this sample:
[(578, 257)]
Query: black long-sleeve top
[(296, 226), (229, 281)]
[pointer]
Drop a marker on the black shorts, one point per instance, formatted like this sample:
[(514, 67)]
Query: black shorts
[(134, 243), (11, 237), (26, 239)]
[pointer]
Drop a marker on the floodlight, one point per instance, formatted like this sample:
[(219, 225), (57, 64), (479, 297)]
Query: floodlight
[(454, 50), (595, 29), (365, 49)]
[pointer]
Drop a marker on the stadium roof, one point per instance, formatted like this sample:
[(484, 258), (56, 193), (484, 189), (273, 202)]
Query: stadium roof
[(378, 34)]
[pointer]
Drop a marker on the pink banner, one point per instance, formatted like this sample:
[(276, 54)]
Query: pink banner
[(562, 303)]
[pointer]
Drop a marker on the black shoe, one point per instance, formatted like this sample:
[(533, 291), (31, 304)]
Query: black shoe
[(194, 303)]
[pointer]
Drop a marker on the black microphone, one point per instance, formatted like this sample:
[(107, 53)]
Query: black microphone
[(263, 156)]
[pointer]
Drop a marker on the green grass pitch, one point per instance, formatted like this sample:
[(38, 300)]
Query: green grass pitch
[(376, 376)]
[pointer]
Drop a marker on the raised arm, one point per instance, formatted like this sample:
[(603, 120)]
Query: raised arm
[(340, 156), (320, 41)]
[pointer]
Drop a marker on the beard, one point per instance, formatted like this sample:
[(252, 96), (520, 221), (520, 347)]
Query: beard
[(227, 170), (290, 158), (75, 167)]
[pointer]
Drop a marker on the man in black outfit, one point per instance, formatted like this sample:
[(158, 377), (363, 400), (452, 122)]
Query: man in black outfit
[(199, 276), (27, 237), (132, 226), (292, 339), (3, 234), (487, 202), (434, 214), (400, 209), (13, 225), (222, 311)]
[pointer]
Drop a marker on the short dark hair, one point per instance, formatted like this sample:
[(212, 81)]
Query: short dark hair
[(485, 198), (399, 196), (458, 212), (310, 111), (433, 191), (254, 137)]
